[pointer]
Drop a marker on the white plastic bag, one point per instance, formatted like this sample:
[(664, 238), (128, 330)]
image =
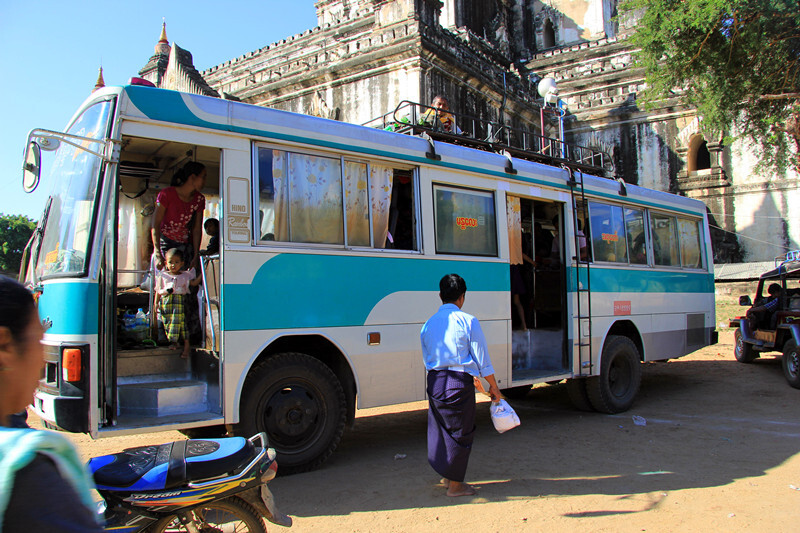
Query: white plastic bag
[(503, 416)]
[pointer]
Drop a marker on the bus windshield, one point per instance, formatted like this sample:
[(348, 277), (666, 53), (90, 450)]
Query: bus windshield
[(74, 177)]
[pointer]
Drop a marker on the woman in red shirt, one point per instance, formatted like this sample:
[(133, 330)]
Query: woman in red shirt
[(178, 218)]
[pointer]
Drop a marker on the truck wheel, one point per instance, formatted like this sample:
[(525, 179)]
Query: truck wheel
[(743, 351), (299, 402), (791, 364), (614, 390), (576, 390)]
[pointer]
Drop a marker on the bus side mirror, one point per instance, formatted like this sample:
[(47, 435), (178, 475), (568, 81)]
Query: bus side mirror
[(31, 167), (745, 300)]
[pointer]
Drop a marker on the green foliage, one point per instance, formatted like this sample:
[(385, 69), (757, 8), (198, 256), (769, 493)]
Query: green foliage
[(15, 231), (736, 61)]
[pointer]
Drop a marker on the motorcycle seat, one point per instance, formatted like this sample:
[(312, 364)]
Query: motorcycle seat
[(170, 465)]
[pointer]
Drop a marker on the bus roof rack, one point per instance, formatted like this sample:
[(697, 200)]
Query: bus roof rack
[(412, 118), (790, 257)]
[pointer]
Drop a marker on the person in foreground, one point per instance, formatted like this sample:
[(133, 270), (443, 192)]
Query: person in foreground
[(44, 486), (456, 356)]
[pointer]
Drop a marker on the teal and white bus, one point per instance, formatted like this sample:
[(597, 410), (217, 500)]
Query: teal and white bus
[(333, 239)]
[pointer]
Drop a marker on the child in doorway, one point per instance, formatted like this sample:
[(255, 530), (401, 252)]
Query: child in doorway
[(211, 225), (172, 294)]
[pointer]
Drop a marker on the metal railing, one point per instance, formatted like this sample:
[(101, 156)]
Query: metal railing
[(525, 143)]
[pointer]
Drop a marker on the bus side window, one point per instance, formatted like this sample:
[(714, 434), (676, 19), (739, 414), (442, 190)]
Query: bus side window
[(635, 233), (300, 199), (402, 229), (608, 233), (665, 241), (689, 231)]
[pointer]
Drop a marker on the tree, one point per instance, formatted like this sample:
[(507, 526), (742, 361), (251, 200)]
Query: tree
[(736, 61), (15, 231)]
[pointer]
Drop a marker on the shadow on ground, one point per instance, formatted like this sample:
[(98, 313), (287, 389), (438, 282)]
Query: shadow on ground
[(708, 422)]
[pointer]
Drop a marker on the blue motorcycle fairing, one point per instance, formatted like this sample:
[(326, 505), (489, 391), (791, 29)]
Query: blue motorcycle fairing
[(166, 466)]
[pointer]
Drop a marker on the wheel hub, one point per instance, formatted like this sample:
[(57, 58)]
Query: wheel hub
[(291, 413)]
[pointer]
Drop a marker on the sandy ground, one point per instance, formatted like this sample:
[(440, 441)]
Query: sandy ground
[(719, 452)]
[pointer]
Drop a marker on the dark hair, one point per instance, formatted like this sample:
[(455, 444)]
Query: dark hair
[(451, 287), (774, 287), (211, 221), (16, 307), (189, 169), (177, 252)]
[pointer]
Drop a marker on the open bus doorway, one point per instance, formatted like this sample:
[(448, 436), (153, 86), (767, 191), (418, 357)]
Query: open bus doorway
[(536, 247), (143, 379)]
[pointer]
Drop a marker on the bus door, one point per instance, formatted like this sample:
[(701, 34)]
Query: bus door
[(144, 380), (537, 264)]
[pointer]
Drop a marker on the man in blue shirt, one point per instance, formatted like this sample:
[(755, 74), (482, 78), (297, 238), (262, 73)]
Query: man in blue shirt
[(757, 313), (456, 356)]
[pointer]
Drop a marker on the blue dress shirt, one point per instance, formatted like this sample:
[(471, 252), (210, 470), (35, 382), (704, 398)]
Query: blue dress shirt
[(453, 340)]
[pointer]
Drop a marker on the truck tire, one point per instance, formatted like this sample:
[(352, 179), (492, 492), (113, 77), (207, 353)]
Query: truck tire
[(743, 351), (614, 390), (791, 364), (299, 402)]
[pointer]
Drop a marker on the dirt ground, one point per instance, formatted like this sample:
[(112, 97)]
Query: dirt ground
[(720, 451)]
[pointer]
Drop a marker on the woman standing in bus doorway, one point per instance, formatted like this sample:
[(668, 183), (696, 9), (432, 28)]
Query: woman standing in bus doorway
[(44, 486), (178, 218), (178, 223)]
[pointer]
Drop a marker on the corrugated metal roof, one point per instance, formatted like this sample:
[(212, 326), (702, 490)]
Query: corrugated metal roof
[(741, 271)]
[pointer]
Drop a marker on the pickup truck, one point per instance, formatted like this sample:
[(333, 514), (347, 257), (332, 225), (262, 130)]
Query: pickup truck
[(779, 331)]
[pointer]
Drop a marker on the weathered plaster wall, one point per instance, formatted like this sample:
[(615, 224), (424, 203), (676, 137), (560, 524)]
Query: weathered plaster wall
[(368, 55)]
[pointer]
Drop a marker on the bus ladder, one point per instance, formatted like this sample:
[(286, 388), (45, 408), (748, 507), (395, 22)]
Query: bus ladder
[(583, 310)]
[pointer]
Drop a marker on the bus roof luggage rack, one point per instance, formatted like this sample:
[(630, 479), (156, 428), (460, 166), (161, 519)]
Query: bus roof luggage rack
[(412, 118)]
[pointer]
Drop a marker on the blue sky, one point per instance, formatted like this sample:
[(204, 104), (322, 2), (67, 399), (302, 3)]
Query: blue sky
[(50, 52)]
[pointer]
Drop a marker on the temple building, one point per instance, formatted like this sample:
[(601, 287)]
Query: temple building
[(487, 56)]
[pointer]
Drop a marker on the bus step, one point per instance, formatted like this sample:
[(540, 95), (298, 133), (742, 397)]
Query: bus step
[(160, 360), (162, 398)]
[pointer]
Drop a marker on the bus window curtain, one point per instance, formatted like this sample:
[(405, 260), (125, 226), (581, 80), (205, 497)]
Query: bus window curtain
[(381, 179), (314, 200), (514, 215), (281, 198)]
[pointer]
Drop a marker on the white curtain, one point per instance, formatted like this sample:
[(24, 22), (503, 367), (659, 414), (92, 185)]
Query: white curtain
[(380, 194), (281, 198), (514, 215), (380, 189), (134, 244), (308, 198)]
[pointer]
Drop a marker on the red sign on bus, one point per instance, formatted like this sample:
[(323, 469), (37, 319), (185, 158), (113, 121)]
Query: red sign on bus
[(622, 307)]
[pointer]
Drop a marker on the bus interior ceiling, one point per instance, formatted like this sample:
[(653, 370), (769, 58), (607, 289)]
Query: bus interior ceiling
[(537, 304), (153, 380)]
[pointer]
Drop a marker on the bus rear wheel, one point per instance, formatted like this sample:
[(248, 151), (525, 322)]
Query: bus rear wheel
[(299, 402), (614, 390), (791, 364)]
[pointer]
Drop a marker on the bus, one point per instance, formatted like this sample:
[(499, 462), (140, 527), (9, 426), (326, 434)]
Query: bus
[(333, 239)]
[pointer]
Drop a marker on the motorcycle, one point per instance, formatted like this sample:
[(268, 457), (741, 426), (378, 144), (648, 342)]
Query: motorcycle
[(198, 485)]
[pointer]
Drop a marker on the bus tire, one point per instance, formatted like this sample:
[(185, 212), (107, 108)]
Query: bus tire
[(576, 390), (791, 364), (614, 390), (743, 351), (300, 403)]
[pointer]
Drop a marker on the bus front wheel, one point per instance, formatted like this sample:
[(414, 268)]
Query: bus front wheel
[(299, 402), (614, 390)]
